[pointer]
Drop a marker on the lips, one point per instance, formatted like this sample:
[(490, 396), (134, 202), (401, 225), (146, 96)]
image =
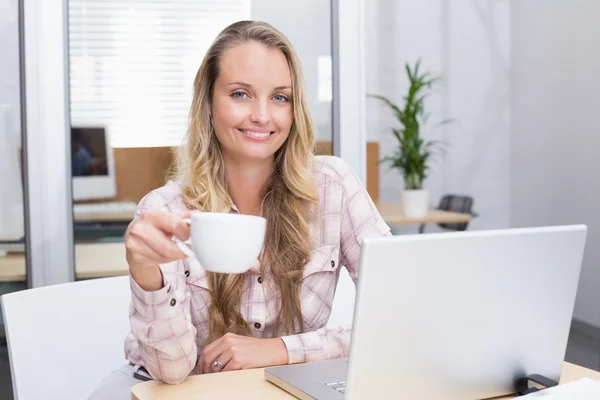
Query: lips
[(258, 135)]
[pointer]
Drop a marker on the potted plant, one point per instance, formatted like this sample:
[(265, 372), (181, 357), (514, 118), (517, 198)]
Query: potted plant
[(413, 154)]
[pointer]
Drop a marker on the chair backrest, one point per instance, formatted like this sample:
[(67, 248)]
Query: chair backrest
[(456, 203), (64, 339), (342, 309)]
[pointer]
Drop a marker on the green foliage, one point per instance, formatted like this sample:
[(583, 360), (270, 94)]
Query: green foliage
[(413, 154)]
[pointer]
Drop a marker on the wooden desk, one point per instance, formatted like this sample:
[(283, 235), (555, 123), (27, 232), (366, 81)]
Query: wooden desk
[(108, 217), (393, 214), (247, 384), (251, 384), (97, 260), (12, 268), (100, 260)]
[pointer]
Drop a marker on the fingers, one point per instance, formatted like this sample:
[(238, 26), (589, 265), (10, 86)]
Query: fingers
[(169, 223), (203, 366), (232, 364), (148, 238), (162, 245), (142, 254), (211, 352), (209, 347), (225, 359)]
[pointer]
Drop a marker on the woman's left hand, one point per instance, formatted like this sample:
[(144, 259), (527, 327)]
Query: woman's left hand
[(241, 352)]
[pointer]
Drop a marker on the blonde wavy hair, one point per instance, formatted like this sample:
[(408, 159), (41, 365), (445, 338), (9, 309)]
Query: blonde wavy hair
[(290, 191)]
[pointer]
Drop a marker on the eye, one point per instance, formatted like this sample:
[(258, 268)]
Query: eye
[(239, 95), (280, 98)]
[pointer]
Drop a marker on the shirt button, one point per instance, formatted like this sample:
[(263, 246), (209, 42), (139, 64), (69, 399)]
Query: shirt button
[(260, 279), (173, 302), (257, 325), (332, 264), (187, 272)]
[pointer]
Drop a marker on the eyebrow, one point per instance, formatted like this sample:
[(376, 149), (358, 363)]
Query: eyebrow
[(247, 85)]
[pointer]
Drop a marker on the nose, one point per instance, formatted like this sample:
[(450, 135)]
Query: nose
[(260, 113)]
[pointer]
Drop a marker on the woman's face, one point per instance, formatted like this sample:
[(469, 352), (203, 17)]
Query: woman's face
[(252, 102)]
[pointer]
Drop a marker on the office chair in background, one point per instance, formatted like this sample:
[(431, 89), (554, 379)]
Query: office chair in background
[(454, 203)]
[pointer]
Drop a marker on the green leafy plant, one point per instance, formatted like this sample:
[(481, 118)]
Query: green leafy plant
[(413, 154)]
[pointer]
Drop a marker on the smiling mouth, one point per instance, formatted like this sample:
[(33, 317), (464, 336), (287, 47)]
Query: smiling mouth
[(259, 135)]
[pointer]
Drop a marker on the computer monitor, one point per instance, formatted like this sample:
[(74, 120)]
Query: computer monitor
[(92, 164)]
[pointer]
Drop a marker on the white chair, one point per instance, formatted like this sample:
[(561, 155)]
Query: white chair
[(342, 309), (64, 339)]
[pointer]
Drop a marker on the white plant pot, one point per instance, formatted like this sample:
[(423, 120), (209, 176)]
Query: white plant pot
[(415, 203)]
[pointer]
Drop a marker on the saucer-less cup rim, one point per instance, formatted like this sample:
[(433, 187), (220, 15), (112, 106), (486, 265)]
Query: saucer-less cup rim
[(220, 216)]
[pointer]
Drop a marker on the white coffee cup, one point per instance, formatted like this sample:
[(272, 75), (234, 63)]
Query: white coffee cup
[(225, 242)]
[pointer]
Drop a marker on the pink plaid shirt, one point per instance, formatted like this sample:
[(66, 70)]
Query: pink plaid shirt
[(169, 326)]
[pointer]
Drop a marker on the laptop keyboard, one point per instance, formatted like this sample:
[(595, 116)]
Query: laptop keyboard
[(340, 386)]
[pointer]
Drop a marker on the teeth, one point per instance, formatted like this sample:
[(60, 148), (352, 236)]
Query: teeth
[(256, 134)]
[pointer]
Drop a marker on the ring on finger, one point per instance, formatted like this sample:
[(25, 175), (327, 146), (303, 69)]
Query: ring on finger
[(218, 364)]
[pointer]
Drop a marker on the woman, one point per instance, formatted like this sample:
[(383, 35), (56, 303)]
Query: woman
[(248, 150)]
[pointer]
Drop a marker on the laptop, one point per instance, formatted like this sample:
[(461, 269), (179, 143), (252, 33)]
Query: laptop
[(452, 316)]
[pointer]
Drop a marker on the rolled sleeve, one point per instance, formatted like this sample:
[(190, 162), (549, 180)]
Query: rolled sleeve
[(161, 323), (322, 344), (157, 304), (143, 298)]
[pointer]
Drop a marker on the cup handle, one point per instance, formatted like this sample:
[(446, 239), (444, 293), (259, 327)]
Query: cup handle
[(181, 244)]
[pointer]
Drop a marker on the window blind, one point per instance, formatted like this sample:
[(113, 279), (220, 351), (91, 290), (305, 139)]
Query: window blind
[(132, 64)]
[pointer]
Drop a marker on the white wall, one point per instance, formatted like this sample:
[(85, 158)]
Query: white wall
[(11, 197), (555, 136), (468, 44)]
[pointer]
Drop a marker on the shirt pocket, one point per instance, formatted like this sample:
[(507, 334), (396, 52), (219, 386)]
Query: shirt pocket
[(197, 283), (320, 278), (324, 259)]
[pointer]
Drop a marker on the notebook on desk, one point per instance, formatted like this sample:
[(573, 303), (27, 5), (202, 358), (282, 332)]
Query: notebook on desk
[(452, 316)]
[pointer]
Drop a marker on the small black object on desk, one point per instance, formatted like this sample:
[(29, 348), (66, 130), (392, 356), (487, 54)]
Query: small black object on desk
[(522, 385)]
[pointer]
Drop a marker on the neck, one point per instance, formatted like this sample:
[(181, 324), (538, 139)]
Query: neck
[(247, 183)]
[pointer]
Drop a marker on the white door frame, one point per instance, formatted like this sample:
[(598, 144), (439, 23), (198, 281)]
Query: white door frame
[(349, 97), (46, 142)]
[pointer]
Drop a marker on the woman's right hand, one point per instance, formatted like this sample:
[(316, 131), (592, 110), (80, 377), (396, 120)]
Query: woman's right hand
[(148, 243)]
